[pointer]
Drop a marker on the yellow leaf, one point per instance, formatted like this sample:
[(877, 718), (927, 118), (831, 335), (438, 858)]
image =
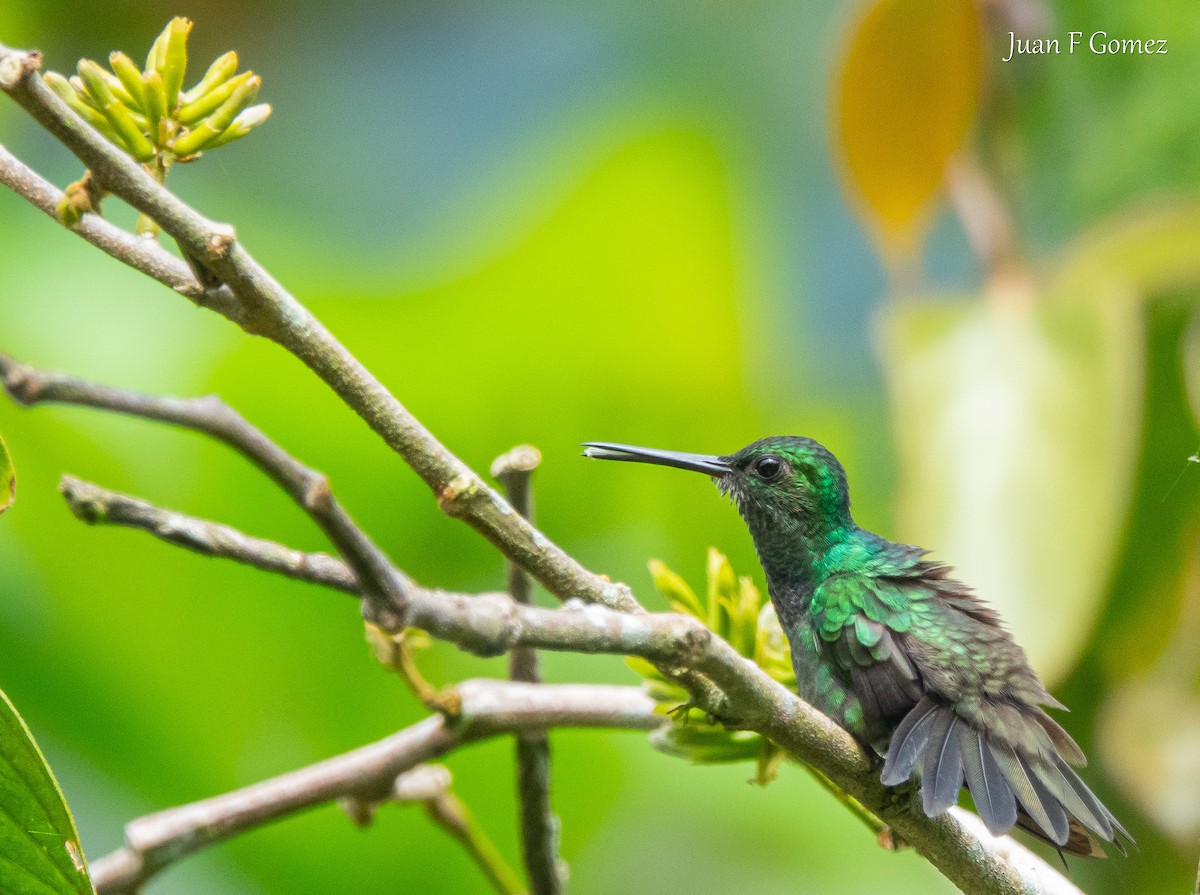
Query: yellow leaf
[(675, 590), (904, 100)]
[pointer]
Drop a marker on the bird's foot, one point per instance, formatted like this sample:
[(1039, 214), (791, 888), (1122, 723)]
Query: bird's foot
[(682, 714)]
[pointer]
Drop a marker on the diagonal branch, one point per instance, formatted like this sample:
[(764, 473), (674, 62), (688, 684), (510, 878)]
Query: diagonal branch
[(267, 309), (490, 708)]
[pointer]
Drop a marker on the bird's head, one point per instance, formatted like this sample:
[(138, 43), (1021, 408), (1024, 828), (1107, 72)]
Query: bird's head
[(780, 484)]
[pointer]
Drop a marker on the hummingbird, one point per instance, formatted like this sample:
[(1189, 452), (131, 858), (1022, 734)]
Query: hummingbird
[(895, 650)]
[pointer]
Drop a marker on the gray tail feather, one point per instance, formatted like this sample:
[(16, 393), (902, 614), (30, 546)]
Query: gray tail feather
[(1009, 788)]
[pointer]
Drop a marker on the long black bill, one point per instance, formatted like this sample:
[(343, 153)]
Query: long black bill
[(706, 463)]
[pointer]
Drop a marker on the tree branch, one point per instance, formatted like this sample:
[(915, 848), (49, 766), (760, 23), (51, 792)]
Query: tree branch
[(94, 505), (539, 826), (267, 309), (369, 773)]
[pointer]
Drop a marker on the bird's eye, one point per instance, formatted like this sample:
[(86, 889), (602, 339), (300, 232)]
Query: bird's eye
[(767, 468)]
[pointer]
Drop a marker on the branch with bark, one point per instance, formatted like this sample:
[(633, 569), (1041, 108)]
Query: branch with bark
[(371, 774), (598, 616)]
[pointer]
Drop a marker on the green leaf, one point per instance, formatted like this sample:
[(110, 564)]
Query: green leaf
[(706, 744), (8, 478), (1016, 421), (39, 845), (1191, 366)]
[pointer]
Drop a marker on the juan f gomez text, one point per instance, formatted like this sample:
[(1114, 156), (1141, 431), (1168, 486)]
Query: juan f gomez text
[(1098, 43)]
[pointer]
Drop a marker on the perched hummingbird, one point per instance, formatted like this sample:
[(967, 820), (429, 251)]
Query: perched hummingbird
[(900, 654)]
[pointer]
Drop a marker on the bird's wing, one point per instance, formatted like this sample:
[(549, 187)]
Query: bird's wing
[(856, 622), (957, 718)]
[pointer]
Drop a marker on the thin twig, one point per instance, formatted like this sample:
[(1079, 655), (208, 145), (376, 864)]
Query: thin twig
[(489, 708), (387, 602), (513, 470), (539, 825), (438, 699), (140, 253), (430, 787), (94, 505), (488, 624), (985, 219), (450, 813), (309, 488)]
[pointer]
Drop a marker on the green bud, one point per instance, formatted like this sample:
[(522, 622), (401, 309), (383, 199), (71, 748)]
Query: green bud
[(72, 97), (174, 60), (92, 77), (205, 104), (115, 111), (215, 124), (158, 50), (156, 103), (771, 651), (118, 89), (68, 214), (218, 73), (743, 617), (60, 86), (77, 199), (247, 121), (130, 78), (76, 83)]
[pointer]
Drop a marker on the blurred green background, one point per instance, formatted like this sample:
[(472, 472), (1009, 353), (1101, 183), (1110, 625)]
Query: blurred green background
[(567, 221)]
